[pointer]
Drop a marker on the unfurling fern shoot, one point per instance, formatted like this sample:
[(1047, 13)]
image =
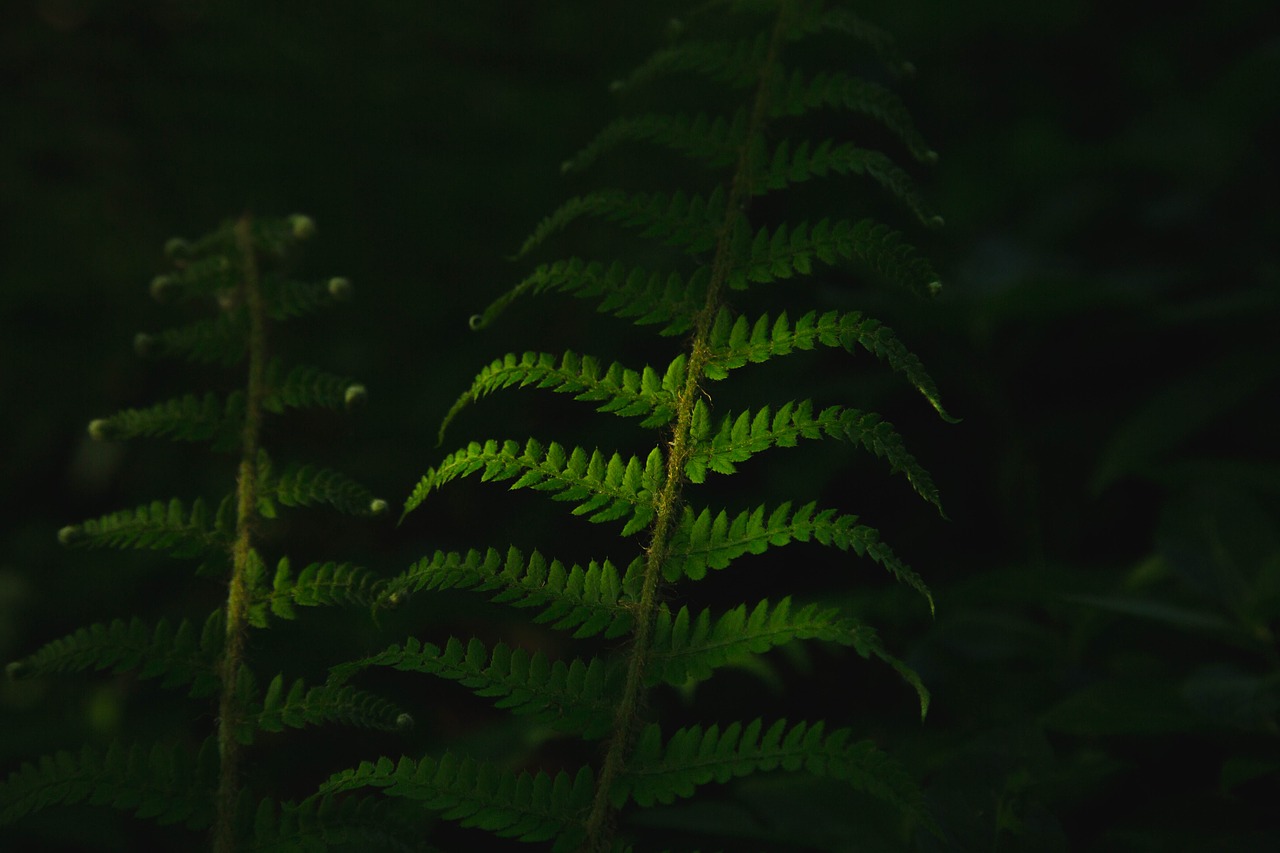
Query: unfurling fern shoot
[(711, 249), (239, 271)]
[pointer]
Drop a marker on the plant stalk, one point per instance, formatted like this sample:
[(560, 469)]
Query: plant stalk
[(230, 710), (627, 719)]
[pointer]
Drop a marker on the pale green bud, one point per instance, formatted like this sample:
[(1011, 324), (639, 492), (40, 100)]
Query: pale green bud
[(340, 288), (303, 226)]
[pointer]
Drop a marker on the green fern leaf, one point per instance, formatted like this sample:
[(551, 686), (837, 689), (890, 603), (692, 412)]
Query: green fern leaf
[(768, 256), (286, 299), (714, 141), (524, 806), (163, 784), (577, 696), (308, 485), (322, 823), (735, 343), (693, 756), (689, 648), (733, 63), (627, 292), (625, 392), (589, 601), (687, 222), (302, 706), (200, 278), (189, 418), (178, 655), (157, 526), (741, 437), (220, 340), (321, 584), (842, 21), (307, 387), (801, 94), (606, 489), (787, 167), (703, 541)]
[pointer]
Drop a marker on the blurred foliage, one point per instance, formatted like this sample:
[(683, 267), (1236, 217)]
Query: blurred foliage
[(1104, 661)]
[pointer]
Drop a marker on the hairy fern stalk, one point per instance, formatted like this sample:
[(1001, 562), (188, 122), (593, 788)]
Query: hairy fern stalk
[(670, 538), (239, 272)]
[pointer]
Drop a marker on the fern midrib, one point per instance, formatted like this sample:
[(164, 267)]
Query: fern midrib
[(230, 710), (599, 825)]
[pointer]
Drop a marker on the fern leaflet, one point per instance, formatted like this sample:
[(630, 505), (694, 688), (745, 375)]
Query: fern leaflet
[(190, 418), (695, 756), (735, 343), (628, 292), (164, 784), (739, 438), (623, 391), (687, 222), (177, 655), (607, 489), (714, 141), (587, 600), (220, 340), (785, 251), (171, 528), (703, 542), (576, 696), (530, 807)]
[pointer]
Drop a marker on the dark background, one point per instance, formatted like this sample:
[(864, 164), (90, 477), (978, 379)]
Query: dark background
[(1103, 661)]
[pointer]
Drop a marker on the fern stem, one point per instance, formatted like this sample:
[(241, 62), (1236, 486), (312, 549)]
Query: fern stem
[(627, 720), (230, 708)]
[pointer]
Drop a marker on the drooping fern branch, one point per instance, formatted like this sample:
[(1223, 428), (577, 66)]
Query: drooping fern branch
[(675, 541), (238, 269)]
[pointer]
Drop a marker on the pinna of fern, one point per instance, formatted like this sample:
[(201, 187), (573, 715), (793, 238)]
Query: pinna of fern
[(240, 271), (671, 539)]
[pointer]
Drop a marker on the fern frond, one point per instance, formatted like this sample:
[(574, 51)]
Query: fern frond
[(322, 823), (164, 784), (177, 655), (525, 806), (171, 528), (589, 601), (219, 340), (306, 387), (735, 343), (844, 22), (320, 584), (308, 485), (800, 94), (199, 278), (733, 63), (286, 299), (625, 392), (713, 141), (188, 418), (703, 542), (787, 167), (687, 647), (577, 696), (786, 251), (739, 438), (606, 489), (690, 648), (687, 222), (627, 292), (302, 706), (694, 756)]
